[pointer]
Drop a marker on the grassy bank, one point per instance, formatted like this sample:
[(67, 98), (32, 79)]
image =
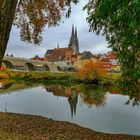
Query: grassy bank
[(36, 77), (53, 77), (21, 127)]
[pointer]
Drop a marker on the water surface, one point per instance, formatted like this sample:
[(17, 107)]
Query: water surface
[(91, 107)]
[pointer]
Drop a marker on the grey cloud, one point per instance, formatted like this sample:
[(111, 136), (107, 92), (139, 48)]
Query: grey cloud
[(61, 35)]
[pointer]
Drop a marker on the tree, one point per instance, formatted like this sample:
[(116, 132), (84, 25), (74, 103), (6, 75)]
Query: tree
[(7, 10), (91, 72), (30, 16), (119, 21)]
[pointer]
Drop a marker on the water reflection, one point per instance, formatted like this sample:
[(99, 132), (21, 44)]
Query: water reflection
[(90, 106), (90, 95), (73, 100), (93, 95), (132, 90), (5, 85), (134, 99), (68, 92)]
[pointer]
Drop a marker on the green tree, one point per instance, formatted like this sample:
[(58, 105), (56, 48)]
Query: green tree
[(119, 21), (30, 16)]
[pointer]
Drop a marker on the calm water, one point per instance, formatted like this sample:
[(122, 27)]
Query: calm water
[(88, 106)]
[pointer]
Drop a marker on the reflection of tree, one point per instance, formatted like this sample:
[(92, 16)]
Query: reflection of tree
[(114, 89), (4, 85), (129, 89), (134, 98), (93, 95), (135, 101), (133, 91), (73, 99), (12, 86)]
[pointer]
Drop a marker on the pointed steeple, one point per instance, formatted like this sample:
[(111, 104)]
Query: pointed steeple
[(72, 37), (72, 34), (74, 43)]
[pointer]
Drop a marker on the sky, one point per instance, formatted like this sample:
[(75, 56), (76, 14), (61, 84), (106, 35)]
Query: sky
[(88, 41)]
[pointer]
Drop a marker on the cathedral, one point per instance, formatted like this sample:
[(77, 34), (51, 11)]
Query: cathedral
[(65, 54)]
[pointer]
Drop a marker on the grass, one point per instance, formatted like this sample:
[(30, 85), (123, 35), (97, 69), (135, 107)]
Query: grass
[(53, 77)]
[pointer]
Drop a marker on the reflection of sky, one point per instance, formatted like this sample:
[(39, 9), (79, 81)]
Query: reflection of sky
[(60, 34), (114, 117)]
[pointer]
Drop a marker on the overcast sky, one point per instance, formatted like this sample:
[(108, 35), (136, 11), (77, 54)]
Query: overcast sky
[(60, 34)]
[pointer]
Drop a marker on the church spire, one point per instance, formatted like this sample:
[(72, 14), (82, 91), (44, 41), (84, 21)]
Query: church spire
[(72, 37), (74, 44)]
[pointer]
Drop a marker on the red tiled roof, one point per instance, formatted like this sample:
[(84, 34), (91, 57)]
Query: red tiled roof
[(58, 54)]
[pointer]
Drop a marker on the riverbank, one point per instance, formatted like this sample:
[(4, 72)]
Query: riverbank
[(21, 127), (53, 77)]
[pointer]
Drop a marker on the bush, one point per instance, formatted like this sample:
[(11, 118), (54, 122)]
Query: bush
[(91, 71)]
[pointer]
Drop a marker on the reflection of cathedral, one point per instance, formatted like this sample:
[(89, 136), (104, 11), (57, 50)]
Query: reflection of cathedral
[(73, 99), (68, 92)]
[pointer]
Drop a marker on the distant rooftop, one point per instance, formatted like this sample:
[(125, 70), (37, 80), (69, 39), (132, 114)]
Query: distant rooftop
[(86, 55)]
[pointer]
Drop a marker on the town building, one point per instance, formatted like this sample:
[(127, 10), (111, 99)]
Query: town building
[(70, 56), (65, 56), (84, 57), (110, 62), (37, 58)]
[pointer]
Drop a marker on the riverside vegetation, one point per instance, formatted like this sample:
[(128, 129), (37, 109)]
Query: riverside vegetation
[(58, 77)]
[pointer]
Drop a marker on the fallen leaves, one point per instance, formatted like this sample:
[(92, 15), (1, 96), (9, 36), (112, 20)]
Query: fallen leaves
[(28, 127)]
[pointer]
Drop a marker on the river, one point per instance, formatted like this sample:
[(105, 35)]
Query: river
[(98, 108)]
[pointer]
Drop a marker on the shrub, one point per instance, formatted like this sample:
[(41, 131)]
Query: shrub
[(91, 71)]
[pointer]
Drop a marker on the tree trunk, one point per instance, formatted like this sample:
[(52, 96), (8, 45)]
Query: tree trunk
[(7, 11)]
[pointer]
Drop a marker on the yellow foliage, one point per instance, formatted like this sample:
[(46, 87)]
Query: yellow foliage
[(32, 16), (91, 70)]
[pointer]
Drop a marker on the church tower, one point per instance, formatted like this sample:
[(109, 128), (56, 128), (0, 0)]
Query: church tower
[(74, 43)]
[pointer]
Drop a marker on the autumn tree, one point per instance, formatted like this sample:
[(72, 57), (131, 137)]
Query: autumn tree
[(119, 21), (31, 16), (91, 71)]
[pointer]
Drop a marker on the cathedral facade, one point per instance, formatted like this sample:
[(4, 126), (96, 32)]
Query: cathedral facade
[(65, 54)]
